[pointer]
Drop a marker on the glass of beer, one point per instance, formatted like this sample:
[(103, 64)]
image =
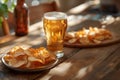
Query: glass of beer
[(55, 25)]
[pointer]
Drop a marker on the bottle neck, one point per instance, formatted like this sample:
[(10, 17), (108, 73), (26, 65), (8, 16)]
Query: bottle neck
[(20, 2), (107, 2)]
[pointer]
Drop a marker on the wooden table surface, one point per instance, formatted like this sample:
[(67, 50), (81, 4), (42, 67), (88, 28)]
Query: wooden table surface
[(96, 63)]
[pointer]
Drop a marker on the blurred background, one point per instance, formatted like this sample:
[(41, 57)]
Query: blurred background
[(72, 7)]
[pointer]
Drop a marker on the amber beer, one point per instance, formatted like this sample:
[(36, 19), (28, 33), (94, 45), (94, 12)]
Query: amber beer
[(55, 25)]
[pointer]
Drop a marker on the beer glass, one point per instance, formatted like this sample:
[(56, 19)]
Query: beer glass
[(55, 25)]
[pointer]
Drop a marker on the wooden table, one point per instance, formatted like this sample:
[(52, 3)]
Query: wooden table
[(96, 63)]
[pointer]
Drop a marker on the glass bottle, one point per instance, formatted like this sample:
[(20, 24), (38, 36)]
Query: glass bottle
[(108, 6), (21, 18)]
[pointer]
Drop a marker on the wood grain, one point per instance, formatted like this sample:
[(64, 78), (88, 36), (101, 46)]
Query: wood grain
[(81, 64)]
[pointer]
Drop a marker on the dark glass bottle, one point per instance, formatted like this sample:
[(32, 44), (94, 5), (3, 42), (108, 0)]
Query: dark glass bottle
[(21, 18), (108, 6)]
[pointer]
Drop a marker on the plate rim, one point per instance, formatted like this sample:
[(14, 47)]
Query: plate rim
[(114, 39), (45, 67)]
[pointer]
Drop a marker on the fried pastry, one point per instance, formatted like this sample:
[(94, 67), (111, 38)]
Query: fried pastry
[(93, 35), (28, 58)]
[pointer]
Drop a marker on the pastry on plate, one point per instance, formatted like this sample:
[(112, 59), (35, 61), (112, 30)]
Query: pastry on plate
[(31, 58), (90, 36)]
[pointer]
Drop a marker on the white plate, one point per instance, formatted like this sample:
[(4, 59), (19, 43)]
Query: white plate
[(41, 68)]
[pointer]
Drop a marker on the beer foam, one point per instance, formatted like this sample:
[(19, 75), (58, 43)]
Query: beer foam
[(55, 15)]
